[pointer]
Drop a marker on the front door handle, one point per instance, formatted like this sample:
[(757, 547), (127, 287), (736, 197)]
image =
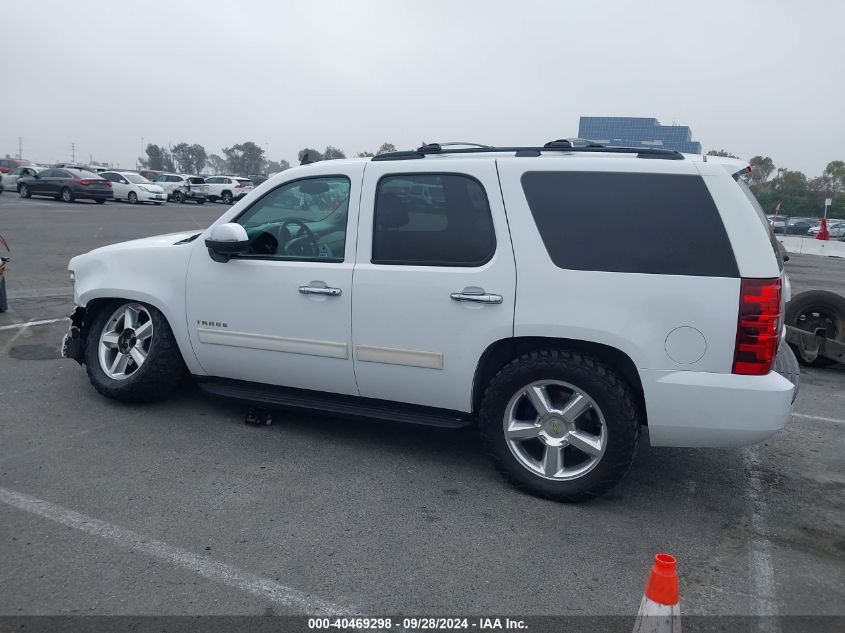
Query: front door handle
[(319, 290), (482, 297)]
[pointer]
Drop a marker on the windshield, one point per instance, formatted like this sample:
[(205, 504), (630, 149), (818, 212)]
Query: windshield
[(196, 181), (136, 178)]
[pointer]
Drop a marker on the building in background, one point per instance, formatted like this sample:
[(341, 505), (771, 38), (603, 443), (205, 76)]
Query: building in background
[(625, 131)]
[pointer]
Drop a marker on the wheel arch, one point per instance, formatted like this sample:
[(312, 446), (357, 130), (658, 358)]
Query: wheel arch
[(499, 353)]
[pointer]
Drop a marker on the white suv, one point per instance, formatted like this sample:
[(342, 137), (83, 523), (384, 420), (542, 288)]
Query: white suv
[(561, 298), (183, 187), (227, 189)]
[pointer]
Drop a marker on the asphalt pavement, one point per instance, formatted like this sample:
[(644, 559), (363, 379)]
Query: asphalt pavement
[(179, 508)]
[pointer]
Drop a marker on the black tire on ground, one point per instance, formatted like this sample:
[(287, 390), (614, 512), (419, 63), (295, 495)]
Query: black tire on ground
[(159, 375), (786, 364), (133, 197), (24, 191), (227, 197), (817, 308), (158, 204), (100, 200), (605, 386), (200, 200), (66, 195), (212, 198), (179, 197)]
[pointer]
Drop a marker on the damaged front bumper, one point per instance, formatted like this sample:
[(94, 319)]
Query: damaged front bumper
[(73, 344)]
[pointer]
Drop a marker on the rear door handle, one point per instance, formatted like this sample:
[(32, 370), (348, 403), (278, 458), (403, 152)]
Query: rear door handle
[(318, 290), (476, 297)]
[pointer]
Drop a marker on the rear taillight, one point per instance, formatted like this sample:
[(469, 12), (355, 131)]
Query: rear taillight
[(759, 326), (239, 186), (82, 181)]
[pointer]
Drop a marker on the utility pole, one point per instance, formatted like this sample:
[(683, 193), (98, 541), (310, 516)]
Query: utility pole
[(73, 152), (20, 147)]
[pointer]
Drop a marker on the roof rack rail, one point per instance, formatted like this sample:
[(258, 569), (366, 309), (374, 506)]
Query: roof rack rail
[(562, 145)]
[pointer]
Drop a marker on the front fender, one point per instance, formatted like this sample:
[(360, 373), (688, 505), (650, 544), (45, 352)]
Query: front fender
[(151, 274)]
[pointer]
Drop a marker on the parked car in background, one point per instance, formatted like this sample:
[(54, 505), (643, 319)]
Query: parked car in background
[(182, 187), (257, 179), (835, 229), (10, 180), (778, 222), (134, 188), (800, 226), (9, 164), (228, 188), (66, 185)]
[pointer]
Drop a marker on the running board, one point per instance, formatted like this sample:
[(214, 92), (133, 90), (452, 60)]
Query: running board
[(332, 404)]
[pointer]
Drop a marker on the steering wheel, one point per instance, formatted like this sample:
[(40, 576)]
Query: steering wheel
[(304, 244)]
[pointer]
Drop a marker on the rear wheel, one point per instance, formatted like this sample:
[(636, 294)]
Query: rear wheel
[(813, 310), (133, 197), (179, 197), (66, 195), (560, 424), (24, 192), (227, 197), (131, 354), (100, 200)]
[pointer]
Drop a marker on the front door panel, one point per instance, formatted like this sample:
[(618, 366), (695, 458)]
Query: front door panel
[(282, 315)]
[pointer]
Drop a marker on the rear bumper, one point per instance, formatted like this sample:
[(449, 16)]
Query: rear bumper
[(87, 193), (687, 408)]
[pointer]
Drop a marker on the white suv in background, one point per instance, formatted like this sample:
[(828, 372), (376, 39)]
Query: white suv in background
[(182, 187), (134, 188), (227, 189), (650, 296)]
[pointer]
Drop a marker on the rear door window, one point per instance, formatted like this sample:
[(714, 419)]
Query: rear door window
[(629, 222), (453, 229)]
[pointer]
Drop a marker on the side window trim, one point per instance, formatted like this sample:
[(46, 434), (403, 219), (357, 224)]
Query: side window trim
[(433, 263)]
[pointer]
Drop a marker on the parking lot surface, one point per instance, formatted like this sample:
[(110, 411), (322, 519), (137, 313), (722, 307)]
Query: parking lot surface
[(179, 508)]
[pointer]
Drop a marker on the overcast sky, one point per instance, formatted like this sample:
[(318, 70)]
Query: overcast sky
[(753, 77)]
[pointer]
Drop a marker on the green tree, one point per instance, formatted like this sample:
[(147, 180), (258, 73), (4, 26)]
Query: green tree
[(274, 167), (761, 169), (331, 152), (835, 171), (309, 155), (217, 164), (190, 159), (158, 158), (244, 158), (385, 148), (721, 152)]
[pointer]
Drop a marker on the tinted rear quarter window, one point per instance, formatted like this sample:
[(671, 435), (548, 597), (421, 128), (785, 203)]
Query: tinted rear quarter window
[(629, 223)]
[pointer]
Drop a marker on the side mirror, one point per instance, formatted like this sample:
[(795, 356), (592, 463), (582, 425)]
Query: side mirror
[(227, 240)]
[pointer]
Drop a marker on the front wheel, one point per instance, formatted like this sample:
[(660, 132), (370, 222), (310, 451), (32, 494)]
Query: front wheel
[(131, 353), (24, 192), (227, 197), (66, 195), (179, 197), (133, 197), (560, 424)]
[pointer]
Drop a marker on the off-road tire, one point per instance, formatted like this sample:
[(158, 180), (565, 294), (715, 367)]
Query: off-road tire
[(155, 379), (605, 386)]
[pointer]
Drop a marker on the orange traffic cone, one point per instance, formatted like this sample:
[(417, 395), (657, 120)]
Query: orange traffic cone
[(660, 610), (823, 233)]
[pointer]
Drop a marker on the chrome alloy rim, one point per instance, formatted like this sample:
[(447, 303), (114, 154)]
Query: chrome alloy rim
[(555, 430), (125, 341)]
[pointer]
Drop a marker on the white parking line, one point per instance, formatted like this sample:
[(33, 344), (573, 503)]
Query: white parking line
[(818, 418), (17, 326), (202, 565), (761, 568)]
